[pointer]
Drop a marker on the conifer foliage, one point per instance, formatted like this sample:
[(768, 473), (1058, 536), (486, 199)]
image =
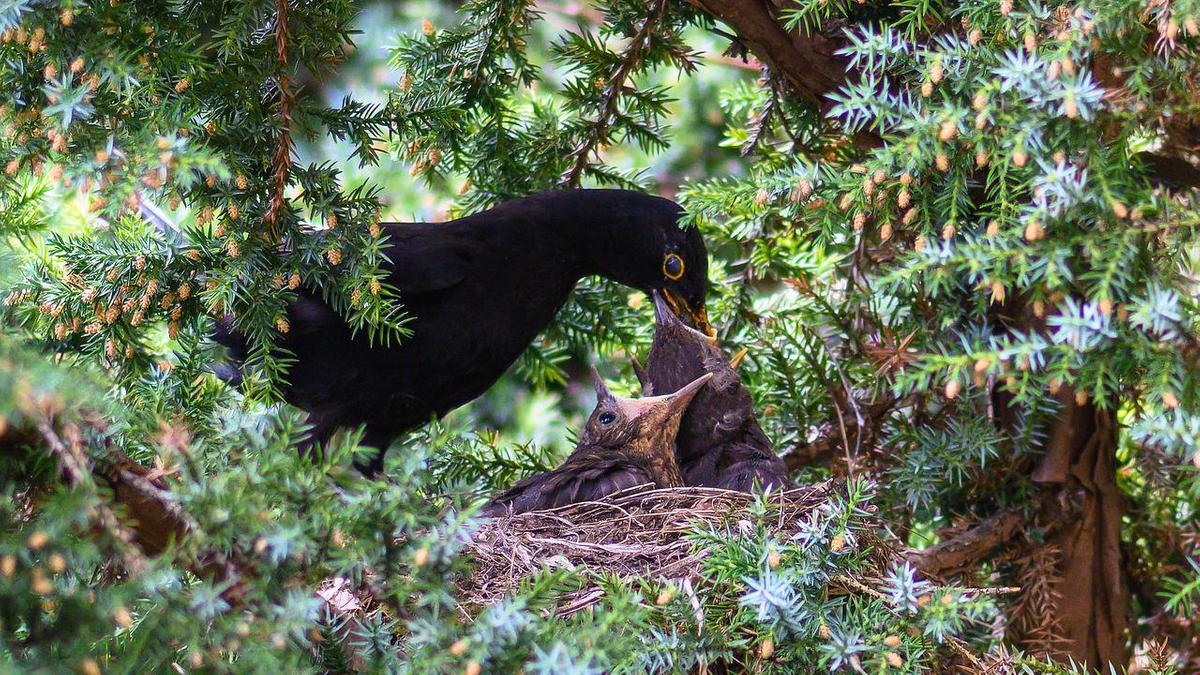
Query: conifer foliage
[(957, 238)]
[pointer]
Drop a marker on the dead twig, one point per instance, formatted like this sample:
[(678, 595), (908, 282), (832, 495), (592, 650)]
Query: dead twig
[(282, 161)]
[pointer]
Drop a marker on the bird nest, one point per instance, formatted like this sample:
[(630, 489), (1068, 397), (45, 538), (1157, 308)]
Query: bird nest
[(633, 533), (637, 533), (645, 532)]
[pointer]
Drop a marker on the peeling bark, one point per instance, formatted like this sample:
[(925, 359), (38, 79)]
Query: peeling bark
[(152, 513), (1092, 589)]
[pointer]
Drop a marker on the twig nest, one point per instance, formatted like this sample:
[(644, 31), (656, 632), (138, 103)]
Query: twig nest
[(636, 532)]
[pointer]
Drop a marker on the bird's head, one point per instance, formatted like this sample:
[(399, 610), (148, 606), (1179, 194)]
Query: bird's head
[(646, 426), (684, 279), (636, 239)]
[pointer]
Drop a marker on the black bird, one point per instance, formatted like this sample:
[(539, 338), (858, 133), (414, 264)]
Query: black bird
[(720, 443), (478, 290), (625, 443)]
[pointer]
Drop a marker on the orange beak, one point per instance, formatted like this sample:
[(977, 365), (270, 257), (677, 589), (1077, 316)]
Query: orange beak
[(698, 317)]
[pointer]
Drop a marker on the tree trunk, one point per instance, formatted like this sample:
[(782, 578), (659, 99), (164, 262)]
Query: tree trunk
[(1090, 590)]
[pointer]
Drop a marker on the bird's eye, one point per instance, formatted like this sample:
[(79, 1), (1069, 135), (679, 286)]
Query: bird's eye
[(607, 418), (673, 266)]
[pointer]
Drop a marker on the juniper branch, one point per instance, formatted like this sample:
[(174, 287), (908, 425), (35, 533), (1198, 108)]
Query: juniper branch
[(631, 61)]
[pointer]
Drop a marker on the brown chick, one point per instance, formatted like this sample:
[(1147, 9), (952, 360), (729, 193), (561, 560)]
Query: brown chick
[(626, 443), (720, 443)]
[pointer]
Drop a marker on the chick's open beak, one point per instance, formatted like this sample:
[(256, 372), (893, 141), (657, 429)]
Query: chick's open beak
[(698, 317)]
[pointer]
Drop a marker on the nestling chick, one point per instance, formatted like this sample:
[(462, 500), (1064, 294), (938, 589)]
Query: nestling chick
[(720, 443), (626, 443)]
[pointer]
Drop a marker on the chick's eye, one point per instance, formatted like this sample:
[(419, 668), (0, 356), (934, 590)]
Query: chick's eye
[(607, 418), (673, 266)]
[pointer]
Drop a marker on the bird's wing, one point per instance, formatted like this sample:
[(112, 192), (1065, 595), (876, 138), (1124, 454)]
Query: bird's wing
[(523, 495), (569, 484), (600, 479), (427, 257)]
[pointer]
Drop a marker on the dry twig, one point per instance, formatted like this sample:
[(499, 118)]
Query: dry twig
[(282, 161)]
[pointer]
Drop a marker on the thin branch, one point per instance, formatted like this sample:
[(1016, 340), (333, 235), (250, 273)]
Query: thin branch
[(957, 645), (78, 471), (825, 446), (631, 60), (760, 125), (282, 161), (970, 546)]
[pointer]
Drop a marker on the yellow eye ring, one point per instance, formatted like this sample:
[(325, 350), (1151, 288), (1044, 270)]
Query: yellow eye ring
[(672, 267)]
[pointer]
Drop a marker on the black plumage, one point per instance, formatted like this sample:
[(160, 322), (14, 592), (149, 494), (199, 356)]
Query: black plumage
[(720, 442), (478, 290), (625, 443)]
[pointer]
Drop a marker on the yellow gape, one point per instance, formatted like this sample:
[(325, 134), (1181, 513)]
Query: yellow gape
[(673, 267)]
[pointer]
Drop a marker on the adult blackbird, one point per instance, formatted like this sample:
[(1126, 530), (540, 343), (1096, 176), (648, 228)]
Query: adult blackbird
[(625, 443), (478, 290), (720, 443)]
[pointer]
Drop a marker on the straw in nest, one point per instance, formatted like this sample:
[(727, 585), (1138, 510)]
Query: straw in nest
[(637, 532)]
